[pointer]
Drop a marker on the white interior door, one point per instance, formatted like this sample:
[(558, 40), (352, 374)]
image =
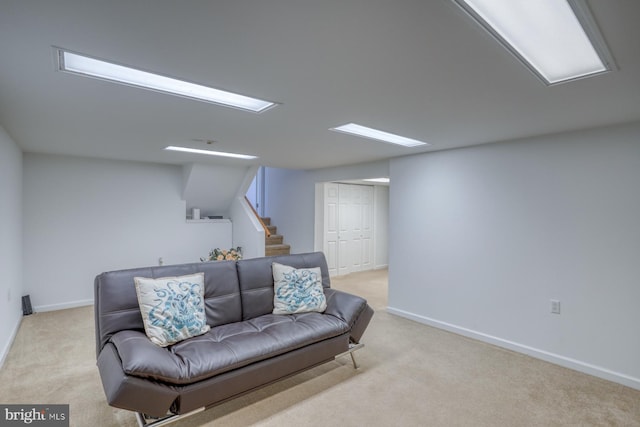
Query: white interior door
[(366, 227), (348, 228), (330, 246), (344, 234), (354, 226)]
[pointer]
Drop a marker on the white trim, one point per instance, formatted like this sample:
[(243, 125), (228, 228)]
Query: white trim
[(567, 362), (7, 347), (62, 306)]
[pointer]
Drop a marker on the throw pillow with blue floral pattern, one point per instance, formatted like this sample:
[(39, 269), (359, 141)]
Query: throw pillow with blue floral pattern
[(172, 307), (297, 290)]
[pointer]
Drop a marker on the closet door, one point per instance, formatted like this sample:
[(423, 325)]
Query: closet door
[(366, 227), (359, 228), (331, 226), (345, 246), (348, 228)]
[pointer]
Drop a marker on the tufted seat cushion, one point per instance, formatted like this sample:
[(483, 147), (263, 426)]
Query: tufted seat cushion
[(224, 347)]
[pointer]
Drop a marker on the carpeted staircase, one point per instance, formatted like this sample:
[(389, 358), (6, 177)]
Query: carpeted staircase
[(274, 243)]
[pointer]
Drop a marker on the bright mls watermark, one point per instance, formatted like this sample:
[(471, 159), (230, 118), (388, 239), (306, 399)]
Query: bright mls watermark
[(34, 415)]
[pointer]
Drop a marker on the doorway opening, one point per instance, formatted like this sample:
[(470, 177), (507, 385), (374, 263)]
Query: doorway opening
[(351, 226)]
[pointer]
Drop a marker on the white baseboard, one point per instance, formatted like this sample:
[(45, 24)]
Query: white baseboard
[(577, 365), (7, 347), (54, 307)]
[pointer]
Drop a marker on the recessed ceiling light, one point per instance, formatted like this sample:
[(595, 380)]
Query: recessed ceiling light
[(355, 129), (210, 153), (86, 66), (558, 40), (382, 180)]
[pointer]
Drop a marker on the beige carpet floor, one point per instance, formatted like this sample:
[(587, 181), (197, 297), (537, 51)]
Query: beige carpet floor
[(410, 375)]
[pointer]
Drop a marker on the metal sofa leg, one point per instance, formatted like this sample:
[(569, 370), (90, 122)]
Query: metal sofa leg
[(146, 421), (353, 359), (352, 347)]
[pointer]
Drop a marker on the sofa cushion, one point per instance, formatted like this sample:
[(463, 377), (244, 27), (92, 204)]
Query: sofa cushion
[(172, 307), (223, 348), (297, 290)]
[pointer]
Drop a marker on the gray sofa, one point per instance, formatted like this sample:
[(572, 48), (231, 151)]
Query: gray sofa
[(247, 347)]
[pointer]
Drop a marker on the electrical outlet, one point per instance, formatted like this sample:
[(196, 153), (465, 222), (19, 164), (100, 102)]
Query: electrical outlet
[(160, 261), (555, 306)]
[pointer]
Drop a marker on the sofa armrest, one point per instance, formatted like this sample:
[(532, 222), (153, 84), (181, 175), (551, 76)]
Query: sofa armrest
[(142, 358), (132, 393), (351, 309)]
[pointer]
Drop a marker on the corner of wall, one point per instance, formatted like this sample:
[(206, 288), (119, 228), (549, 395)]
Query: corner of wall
[(9, 342), (11, 246)]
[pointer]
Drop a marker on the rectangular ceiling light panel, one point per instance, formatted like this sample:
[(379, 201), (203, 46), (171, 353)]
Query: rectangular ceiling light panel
[(546, 35), (210, 153), (91, 67), (355, 129)]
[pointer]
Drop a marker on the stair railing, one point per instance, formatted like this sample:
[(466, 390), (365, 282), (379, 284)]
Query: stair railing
[(267, 233)]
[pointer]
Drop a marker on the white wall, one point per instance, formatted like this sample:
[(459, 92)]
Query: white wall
[(85, 216), (211, 188), (289, 202), (290, 198), (248, 232), (10, 241), (482, 238)]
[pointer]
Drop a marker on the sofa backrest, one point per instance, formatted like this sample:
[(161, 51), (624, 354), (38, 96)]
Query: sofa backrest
[(116, 302), (234, 291), (256, 279)]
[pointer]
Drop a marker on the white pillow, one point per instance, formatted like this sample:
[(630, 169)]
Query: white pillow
[(172, 307), (297, 290)]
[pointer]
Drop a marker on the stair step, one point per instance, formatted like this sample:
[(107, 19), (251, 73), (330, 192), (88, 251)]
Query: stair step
[(272, 229), (271, 250), (274, 239), (266, 220)]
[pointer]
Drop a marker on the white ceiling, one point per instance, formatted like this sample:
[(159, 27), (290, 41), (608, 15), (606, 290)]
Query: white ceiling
[(418, 68)]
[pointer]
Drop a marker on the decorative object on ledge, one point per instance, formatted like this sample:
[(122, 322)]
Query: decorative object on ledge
[(217, 254)]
